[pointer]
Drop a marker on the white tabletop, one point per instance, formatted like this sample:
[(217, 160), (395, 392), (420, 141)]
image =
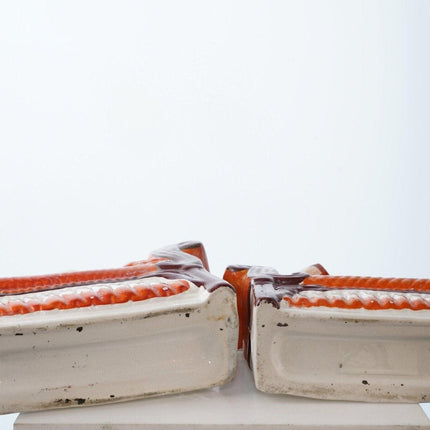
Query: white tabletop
[(237, 405)]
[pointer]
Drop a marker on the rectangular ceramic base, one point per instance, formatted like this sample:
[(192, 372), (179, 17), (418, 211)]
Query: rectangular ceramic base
[(235, 406), (344, 354), (109, 353)]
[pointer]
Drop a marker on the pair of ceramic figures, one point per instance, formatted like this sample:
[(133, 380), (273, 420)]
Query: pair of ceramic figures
[(167, 325)]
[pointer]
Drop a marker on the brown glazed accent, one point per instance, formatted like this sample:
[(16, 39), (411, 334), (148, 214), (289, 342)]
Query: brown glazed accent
[(269, 286), (266, 284), (186, 260)]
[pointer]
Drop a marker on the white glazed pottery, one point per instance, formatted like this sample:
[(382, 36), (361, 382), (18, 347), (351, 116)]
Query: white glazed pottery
[(110, 336), (235, 406), (340, 338)]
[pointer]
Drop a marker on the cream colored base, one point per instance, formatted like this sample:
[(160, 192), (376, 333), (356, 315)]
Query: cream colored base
[(375, 356), (117, 352), (234, 406)]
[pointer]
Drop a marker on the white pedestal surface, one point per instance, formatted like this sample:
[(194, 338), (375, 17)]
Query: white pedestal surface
[(237, 405)]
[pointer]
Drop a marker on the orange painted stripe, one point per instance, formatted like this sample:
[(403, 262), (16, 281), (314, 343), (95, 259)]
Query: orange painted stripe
[(304, 302), (199, 252), (239, 279), (369, 283), (64, 299), (18, 285)]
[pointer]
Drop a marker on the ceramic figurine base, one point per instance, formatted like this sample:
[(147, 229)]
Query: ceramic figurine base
[(235, 406), (339, 355), (169, 330), (339, 338)]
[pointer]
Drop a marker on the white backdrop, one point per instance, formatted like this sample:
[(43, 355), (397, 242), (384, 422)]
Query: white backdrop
[(277, 132)]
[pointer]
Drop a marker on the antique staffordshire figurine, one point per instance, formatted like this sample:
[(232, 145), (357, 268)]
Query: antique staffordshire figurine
[(334, 337), (157, 326)]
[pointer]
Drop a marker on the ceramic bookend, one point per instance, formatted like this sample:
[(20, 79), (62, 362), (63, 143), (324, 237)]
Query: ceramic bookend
[(157, 326), (334, 337)]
